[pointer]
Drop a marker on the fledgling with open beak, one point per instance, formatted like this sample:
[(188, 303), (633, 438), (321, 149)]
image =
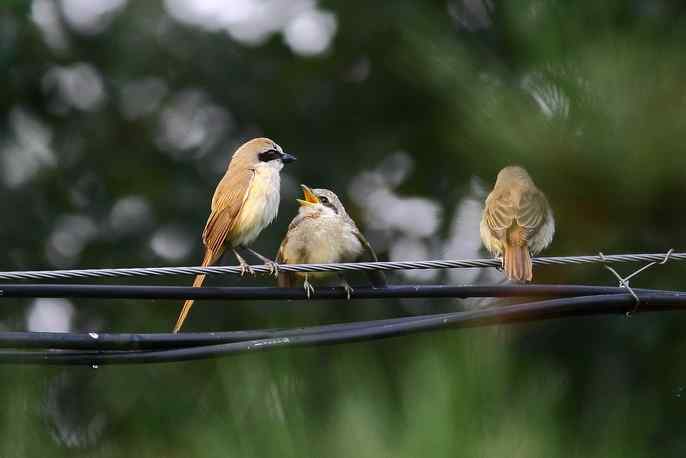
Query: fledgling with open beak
[(322, 232), (517, 222), (245, 202)]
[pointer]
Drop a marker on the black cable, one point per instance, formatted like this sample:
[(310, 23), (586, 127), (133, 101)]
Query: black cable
[(271, 293), (541, 310), (132, 342), (140, 341)]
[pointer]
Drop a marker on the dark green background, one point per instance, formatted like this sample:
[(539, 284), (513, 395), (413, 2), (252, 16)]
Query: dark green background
[(590, 96)]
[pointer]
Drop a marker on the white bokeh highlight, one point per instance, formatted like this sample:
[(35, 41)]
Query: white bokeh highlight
[(50, 315), (129, 215), (90, 16), (190, 124), (46, 15), (310, 33), (77, 86), (307, 29), (406, 225), (69, 237), (27, 150), (171, 243)]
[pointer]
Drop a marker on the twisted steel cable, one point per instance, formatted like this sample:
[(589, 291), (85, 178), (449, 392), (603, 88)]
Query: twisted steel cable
[(338, 267)]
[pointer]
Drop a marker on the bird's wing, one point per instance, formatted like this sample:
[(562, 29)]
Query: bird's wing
[(285, 279), (532, 212), (499, 213), (227, 202), (281, 254), (376, 277)]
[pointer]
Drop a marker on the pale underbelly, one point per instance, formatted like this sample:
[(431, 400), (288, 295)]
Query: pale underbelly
[(258, 211)]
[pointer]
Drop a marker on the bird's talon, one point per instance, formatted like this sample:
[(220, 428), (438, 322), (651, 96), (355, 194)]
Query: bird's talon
[(309, 289), (348, 291), (245, 268), (273, 268)]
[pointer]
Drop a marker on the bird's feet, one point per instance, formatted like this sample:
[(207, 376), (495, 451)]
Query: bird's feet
[(245, 268), (273, 268), (309, 289), (348, 290), (501, 267), (271, 265)]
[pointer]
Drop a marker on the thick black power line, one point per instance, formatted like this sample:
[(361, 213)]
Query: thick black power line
[(139, 341), (270, 293), (350, 332)]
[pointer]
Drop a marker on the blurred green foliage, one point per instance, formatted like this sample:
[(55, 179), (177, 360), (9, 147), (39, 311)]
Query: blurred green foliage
[(590, 96)]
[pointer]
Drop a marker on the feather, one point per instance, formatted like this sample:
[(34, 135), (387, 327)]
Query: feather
[(376, 277), (199, 279), (285, 279)]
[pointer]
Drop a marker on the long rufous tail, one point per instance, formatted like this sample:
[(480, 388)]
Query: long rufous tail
[(517, 263), (286, 280), (199, 279)]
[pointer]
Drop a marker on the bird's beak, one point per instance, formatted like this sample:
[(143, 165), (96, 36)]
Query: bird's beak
[(286, 158), (310, 197)]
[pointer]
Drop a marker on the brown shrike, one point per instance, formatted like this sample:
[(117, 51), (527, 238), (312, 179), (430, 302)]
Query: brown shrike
[(245, 202), (322, 232), (517, 222)]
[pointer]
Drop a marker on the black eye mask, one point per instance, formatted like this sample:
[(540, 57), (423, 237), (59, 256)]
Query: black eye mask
[(327, 203), (269, 155)]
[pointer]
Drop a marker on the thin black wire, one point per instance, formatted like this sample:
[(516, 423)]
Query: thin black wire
[(534, 311), (271, 293), (337, 267)]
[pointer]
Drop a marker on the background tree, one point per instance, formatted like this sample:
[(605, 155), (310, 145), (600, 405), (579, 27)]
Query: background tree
[(118, 119)]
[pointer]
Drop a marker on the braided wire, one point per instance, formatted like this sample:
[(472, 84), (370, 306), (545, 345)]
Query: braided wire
[(336, 267)]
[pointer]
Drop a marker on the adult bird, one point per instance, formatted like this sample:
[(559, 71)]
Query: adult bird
[(517, 222), (322, 232), (245, 202)]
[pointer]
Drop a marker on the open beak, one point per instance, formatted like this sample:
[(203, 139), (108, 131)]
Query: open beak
[(286, 158), (311, 198)]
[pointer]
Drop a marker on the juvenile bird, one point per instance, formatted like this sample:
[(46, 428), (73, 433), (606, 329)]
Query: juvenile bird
[(517, 222), (322, 232), (245, 202)]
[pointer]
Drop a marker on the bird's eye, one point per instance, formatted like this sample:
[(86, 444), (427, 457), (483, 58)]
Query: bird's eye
[(269, 155), (323, 199)]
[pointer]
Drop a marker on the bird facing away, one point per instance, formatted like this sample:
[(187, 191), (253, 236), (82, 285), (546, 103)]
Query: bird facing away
[(245, 202), (517, 222), (322, 232)]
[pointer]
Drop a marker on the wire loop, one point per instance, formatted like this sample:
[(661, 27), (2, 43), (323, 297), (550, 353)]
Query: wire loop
[(624, 281)]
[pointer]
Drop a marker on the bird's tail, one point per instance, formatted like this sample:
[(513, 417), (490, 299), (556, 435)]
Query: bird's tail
[(286, 279), (199, 279), (517, 263)]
